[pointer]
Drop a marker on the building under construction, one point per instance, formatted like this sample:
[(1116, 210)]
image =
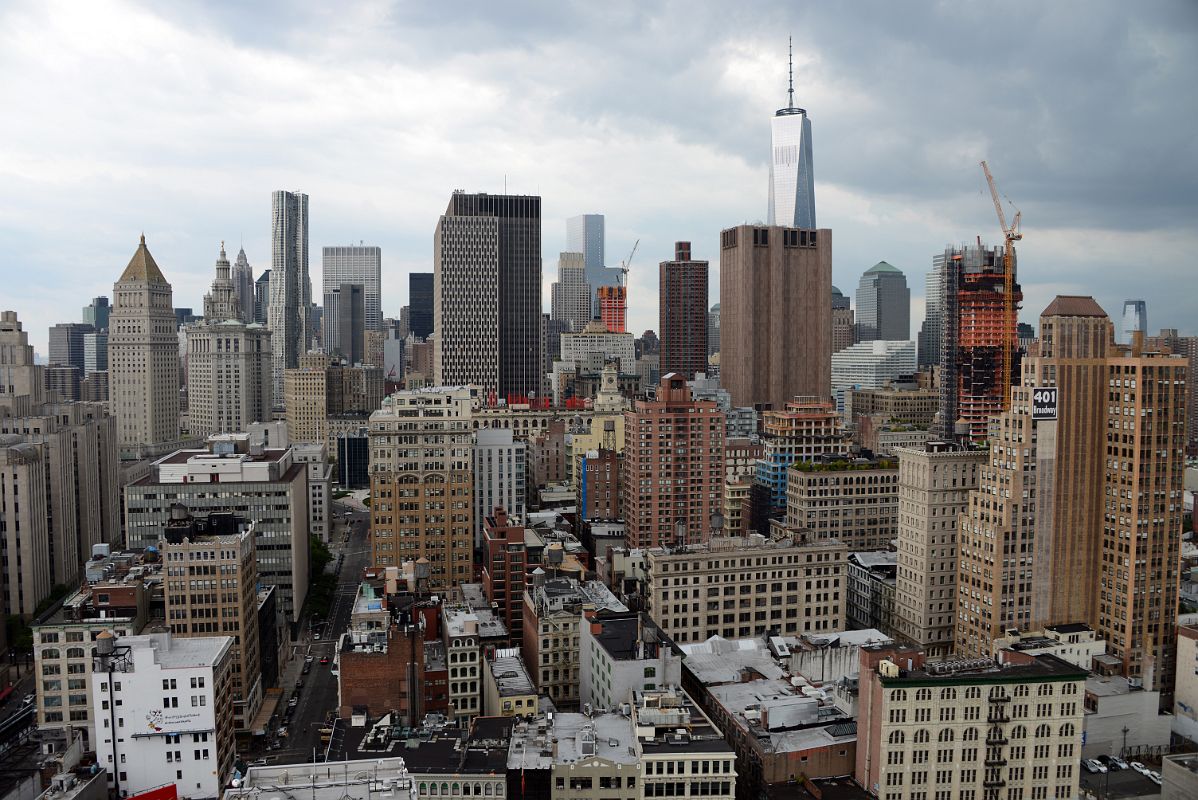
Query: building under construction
[(613, 307), (975, 374)]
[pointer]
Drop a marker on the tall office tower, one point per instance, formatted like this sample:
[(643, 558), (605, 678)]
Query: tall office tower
[(775, 318), (972, 337), (421, 482), (1081, 495), (792, 181), (96, 313), (682, 311), (262, 298), (66, 344), (571, 294), (24, 515), (843, 331), (219, 544), (243, 286), (143, 357), (229, 383), (933, 492), (713, 330), (883, 305), (357, 264), (1186, 346), (613, 307), (344, 322), (487, 294), (673, 478), (930, 332), (95, 352), (1144, 460), (420, 303), (290, 289), (499, 461), (1135, 320), (585, 234)]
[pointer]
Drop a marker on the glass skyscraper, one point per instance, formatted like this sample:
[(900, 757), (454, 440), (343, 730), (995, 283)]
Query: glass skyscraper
[(1135, 318), (792, 182)]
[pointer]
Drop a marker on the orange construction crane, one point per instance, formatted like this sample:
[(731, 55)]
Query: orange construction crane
[(1011, 235)]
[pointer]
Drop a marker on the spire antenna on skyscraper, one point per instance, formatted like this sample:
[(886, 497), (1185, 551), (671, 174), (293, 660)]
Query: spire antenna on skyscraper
[(790, 62)]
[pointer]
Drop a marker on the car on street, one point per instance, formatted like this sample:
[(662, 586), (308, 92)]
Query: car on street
[(324, 659), (1153, 776), (293, 702), (282, 732), (29, 699), (1094, 766), (1112, 763), (307, 668), (1140, 768), (299, 684), (1117, 762)]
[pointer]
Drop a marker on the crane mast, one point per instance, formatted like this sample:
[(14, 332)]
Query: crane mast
[(1011, 234)]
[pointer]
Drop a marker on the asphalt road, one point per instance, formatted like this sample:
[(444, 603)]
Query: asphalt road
[(318, 699)]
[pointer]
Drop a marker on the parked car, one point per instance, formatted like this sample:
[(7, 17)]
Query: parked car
[(282, 732), (293, 702), (324, 659), (261, 762), (29, 699), (1117, 763), (1140, 768), (299, 685), (1153, 776), (1094, 766)]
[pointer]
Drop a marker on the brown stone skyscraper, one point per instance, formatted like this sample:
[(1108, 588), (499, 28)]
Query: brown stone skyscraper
[(682, 310), (1077, 517), (775, 318)]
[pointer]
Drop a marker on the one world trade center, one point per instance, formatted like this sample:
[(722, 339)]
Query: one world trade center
[(792, 185)]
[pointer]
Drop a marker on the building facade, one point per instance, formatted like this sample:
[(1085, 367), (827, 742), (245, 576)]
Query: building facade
[(487, 294), (853, 500), (357, 264), (792, 180), (673, 476), (883, 304), (775, 319), (571, 301), (500, 469), (229, 379), (288, 316), (682, 313), (421, 482), (143, 352)]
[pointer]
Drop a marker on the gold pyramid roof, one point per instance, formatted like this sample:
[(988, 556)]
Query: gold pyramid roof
[(142, 266)]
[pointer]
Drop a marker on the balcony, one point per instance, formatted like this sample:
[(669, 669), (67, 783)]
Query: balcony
[(996, 762), (996, 739), (994, 783), (1000, 698), (998, 718)]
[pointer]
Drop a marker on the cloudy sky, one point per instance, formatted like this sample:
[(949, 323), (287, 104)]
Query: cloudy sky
[(179, 119)]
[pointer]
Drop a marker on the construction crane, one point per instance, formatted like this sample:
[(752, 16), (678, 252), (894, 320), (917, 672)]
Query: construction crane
[(1011, 234), (626, 263)]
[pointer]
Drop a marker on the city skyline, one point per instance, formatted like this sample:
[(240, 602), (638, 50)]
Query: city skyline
[(1088, 216)]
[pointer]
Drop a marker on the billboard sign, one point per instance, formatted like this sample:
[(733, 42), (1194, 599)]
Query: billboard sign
[(1044, 402)]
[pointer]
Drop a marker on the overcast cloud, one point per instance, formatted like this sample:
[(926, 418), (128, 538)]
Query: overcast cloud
[(179, 119)]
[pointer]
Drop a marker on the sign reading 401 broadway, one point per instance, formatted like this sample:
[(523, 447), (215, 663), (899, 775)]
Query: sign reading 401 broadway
[(1044, 402)]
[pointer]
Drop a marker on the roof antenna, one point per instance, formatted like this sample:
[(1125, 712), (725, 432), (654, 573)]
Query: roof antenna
[(790, 61)]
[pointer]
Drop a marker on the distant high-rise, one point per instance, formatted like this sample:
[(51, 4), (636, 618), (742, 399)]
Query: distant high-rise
[(344, 322), (290, 287), (143, 357), (613, 307), (682, 311), (420, 303), (487, 294), (792, 183), (95, 353), (973, 335), (229, 379), (96, 313), (585, 234), (713, 330), (775, 317), (262, 298), (843, 330), (883, 305), (931, 331), (1135, 320), (358, 264), (571, 294), (243, 286), (66, 344)]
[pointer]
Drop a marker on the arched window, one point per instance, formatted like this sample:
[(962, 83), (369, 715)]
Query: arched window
[(1019, 732), (457, 789), (946, 735), (1045, 690), (1043, 732), (898, 696), (1067, 730), (487, 790), (922, 736), (897, 737), (1021, 690), (923, 695), (424, 788), (970, 735), (948, 694), (445, 788), (973, 693), (432, 790), (75, 652)]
